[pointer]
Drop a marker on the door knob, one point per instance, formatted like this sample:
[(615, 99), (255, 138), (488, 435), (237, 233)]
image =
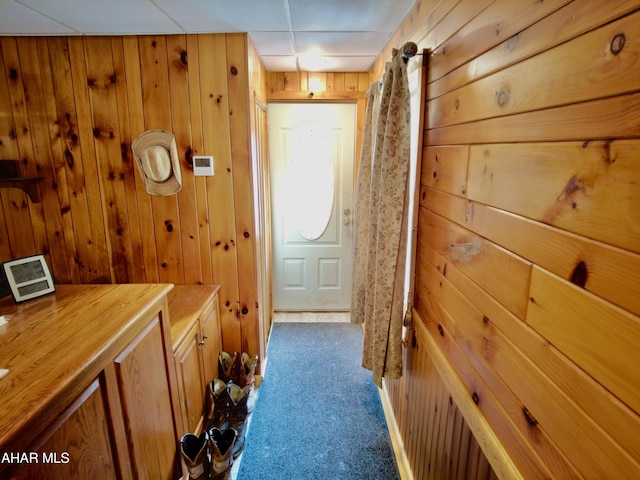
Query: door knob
[(346, 219)]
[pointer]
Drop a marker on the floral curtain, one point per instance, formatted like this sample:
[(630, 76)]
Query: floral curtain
[(381, 222)]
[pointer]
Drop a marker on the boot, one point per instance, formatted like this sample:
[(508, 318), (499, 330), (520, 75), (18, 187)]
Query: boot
[(238, 413), (247, 377), (220, 404), (228, 366), (248, 367), (194, 452), (221, 443)]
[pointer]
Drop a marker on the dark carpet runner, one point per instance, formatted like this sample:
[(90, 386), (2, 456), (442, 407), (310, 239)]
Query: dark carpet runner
[(318, 413)]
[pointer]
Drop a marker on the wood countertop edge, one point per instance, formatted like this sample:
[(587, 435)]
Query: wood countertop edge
[(25, 434)]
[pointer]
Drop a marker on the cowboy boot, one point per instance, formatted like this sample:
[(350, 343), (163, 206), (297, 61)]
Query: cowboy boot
[(194, 452), (228, 366), (239, 412), (247, 376), (248, 365), (221, 445), (220, 404)]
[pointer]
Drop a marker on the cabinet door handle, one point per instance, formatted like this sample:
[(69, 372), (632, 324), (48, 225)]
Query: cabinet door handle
[(204, 337), (201, 343)]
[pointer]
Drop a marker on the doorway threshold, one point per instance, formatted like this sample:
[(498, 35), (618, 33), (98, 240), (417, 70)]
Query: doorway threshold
[(312, 317)]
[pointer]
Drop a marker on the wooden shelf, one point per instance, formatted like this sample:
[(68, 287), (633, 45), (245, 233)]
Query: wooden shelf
[(28, 184), (10, 178)]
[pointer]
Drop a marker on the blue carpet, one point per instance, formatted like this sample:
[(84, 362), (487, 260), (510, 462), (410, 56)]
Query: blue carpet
[(318, 413)]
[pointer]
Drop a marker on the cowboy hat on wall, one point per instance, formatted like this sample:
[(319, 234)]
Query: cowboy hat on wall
[(156, 155)]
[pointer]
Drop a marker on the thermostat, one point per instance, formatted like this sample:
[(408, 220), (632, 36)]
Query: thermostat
[(202, 165)]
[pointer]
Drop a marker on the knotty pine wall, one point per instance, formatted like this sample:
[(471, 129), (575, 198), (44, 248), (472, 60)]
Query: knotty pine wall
[(528, 265), (70, 108)]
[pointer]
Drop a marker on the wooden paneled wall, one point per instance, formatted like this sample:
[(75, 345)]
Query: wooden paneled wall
[(318, 85), (70, 108), (528, 262)]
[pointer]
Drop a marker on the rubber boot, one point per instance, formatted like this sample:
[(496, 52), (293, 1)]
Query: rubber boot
[(194, 452), (221, 443)]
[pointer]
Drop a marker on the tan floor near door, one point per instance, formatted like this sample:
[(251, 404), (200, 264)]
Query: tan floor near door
[(311, 317)]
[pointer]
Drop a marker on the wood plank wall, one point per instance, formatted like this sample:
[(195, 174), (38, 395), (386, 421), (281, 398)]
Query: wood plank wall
[(528, 264), (70, 108)]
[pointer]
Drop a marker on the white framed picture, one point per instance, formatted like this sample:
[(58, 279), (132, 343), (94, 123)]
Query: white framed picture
[(28, 277)]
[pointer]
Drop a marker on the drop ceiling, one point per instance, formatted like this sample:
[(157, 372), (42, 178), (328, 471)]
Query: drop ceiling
[(290, 35)]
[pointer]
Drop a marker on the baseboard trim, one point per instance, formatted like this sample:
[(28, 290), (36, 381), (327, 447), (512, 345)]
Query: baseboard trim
[(396, 439)]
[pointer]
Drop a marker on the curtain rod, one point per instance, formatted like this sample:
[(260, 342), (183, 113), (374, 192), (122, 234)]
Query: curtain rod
[(409, 50)]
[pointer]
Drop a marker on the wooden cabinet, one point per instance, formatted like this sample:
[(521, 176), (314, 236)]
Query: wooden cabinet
[(104, 380), (77, 445), (212, 336), (195, 331), (191, 383), (90, 390), (146, 403)]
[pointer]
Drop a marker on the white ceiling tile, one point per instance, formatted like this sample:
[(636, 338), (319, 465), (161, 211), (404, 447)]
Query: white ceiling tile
[(350, 33), (227, 16), (336, 64), (17, 19), (107, 17), (279, 64), (272, 43), (348, 15), (340, 43)]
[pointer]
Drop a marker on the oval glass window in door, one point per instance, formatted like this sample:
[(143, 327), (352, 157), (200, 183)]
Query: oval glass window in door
[(311, 182)]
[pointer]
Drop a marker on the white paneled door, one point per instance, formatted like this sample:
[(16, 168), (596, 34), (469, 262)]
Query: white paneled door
[(311, 154)]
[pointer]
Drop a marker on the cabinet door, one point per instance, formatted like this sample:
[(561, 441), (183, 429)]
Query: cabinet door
[(146, 404), (191, 386), (210, 322), (76, 447)]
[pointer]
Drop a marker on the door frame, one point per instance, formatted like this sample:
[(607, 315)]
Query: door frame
[(302, 97), (345, 302)]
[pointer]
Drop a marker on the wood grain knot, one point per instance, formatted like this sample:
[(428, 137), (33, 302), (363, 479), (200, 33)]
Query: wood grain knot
[(503, 97), (234, 71), (245, 310), (617, 43), (579, 274), (440, 330), (531, 420), (476, 398)]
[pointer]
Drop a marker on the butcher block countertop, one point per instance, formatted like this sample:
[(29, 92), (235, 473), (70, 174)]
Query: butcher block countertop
[(55, 345)]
